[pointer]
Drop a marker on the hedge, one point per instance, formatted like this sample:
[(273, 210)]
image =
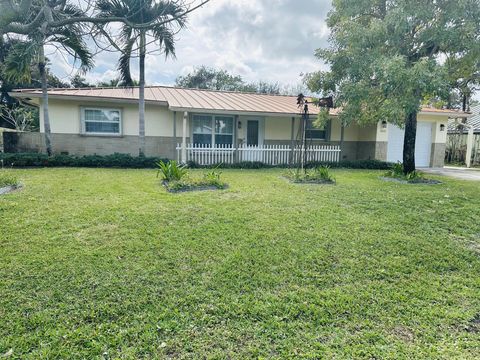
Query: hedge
[(107, 161), (142, 162), (346, 164)]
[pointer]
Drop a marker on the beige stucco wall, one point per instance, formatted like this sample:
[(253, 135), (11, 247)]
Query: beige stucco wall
[(65, 118), (439, 137), (278, 128), (352, 132)]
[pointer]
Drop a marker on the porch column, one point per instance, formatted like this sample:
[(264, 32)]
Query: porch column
[(184, 138), (292, 142), (468, 155), (342, 139), (235, 139), (175, 134)]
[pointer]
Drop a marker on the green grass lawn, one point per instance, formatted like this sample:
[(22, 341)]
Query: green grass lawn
[(106, 264)]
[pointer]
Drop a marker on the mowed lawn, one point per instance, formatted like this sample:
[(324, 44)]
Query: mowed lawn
[(105, 264)]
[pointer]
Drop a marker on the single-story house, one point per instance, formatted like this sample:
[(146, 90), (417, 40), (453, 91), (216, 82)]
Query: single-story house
[(105, 121)]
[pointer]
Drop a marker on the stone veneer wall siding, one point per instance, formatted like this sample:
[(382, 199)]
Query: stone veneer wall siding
[(352, 150), (366, 150), (381, 150), (438, 155), (74, 144)]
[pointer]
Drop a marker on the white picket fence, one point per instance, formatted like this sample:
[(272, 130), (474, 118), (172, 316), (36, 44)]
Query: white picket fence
[(267, 154)]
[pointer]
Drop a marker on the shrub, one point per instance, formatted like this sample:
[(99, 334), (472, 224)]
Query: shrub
[(240, 165), (210, 179), (7, 179), (346, 164), (319, 174), (171, 170), (396, 171), (106, 161)]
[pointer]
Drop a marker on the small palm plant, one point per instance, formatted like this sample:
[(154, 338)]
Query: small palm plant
[(171, 171)]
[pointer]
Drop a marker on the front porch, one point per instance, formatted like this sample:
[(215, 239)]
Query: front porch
[(274, 155), (208, 139)]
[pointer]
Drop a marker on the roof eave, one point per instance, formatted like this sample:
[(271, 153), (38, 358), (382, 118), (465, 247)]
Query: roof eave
[(451, 115), (23, 95), (233, 112)]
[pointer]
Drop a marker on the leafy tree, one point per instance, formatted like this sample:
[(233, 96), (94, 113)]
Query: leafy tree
[(31, 51), (140, 12), (464, 76), (208, 78), (115, 83), (384, 58), (79, 81), (23, 118), (212, 79)]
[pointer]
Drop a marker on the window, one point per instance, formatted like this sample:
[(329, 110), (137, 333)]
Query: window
[(223, 130), (202, 129), (101, 121), (216, 130), (314, 133)]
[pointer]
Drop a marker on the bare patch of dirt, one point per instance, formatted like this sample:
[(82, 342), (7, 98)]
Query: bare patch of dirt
[(403, 333)]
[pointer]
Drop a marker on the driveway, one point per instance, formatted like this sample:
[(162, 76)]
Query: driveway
[(455, 172)]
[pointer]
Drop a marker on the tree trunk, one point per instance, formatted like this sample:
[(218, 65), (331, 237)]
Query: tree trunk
[(409, 142), (46, 118), (141, 103)]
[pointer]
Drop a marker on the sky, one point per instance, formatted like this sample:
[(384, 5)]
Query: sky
[(269, 40)]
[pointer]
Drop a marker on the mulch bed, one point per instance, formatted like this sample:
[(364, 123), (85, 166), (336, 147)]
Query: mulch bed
[(8, 189), (311, 182), (411, 182)]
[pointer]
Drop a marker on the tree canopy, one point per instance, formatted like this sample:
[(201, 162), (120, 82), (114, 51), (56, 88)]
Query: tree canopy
[(204, 77), (385, 57)]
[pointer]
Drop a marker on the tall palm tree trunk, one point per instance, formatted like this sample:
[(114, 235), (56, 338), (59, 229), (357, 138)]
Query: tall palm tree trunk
[(46, 116), (141, 90)]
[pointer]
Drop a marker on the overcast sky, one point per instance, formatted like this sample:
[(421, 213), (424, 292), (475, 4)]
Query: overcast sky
[(272, 40)]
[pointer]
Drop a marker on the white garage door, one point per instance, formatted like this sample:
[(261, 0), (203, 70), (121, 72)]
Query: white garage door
[(423, 144)]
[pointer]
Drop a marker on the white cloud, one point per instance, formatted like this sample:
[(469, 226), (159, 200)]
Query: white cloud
[(270, 40)]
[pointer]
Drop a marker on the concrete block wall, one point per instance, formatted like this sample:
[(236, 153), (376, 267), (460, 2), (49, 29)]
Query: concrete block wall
[(74, 144)]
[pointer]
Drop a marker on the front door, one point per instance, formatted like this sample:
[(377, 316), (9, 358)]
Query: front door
[(252, 133), (252, 153)]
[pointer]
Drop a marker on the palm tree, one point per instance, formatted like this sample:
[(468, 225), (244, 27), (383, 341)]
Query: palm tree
[(31, 50), (150, 16)]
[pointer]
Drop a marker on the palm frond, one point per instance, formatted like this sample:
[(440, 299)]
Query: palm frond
[(124, 63), (74, 44), (165, 38), (112, 8), (22, 55)]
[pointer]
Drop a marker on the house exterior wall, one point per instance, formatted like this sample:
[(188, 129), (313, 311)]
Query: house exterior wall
[(439, 138), (359, 142), (65, 118)]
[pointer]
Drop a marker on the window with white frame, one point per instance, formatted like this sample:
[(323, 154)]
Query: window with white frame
[(212, 130), (101, 121)]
